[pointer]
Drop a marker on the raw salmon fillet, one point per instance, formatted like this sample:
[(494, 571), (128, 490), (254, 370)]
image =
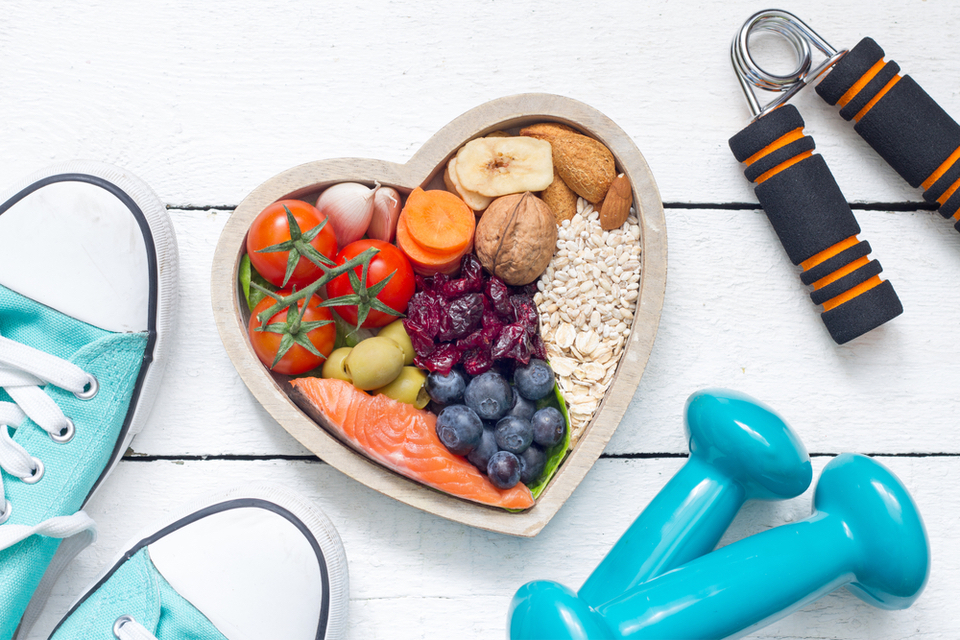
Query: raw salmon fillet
[(404, 439)]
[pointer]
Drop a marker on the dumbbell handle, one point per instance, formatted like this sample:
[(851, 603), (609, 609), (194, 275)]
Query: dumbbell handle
[(900, 121), (757, 580), (815, 224), (685, 520)]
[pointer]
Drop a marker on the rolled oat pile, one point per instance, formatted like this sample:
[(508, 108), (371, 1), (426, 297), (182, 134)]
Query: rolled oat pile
[(587, 298)]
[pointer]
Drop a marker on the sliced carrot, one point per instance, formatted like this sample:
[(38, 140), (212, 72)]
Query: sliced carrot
[(426, 262), (439, 221)]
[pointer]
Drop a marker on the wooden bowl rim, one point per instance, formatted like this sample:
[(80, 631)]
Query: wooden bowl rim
[(421, 169)]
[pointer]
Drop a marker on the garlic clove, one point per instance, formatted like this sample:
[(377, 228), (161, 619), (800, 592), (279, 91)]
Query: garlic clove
[(349, 206), (386, 211)]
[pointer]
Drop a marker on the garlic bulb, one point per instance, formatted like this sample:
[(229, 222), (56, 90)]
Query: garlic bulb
[(386, 210), (349, 206)]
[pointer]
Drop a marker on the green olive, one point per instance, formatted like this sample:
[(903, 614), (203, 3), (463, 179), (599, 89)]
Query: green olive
[(374, 363), (333, 367), (408, 387), (398, 334)]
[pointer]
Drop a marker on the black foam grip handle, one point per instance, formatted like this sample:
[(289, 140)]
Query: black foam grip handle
[(815, 224), (807, 209), (867, 311), (899, 120)]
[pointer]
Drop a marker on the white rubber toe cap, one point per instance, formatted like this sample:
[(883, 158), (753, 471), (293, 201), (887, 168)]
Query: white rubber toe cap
[(79, 237), (249, 570)]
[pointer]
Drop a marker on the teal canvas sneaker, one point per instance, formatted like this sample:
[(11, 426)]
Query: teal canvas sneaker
[(88, 290), (248, 564)]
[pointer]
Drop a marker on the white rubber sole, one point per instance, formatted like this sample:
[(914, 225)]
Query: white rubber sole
[(167, 276), (313, 520)]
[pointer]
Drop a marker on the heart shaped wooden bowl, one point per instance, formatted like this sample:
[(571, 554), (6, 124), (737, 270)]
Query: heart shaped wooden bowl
[(425, 170)]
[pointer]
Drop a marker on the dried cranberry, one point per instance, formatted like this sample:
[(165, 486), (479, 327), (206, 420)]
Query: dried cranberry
[(491, 332), (441, 360), (422, 344), (528, 289), (491, 319), (539, 350), (422, 321), (473, 319), (423, 283), (423, 314), (521, 350), (465, 314), (499, 295), (525, 313), (473, 341), (478, 361), (431, 284), (445, 324), (480, 339), (509, 337), (470, 280)]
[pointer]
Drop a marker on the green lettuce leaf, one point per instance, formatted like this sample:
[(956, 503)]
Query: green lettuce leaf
[(556, 453), (247, 274)]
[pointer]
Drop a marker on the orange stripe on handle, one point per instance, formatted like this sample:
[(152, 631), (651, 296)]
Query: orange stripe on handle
[(828, 253), (861, 83), (894, 80), (784, 165), (942, 169), (942, 200), (852, 293), (839, 273), (782, 141)]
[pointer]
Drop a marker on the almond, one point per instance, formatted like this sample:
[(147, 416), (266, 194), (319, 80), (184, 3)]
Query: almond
[(585, 164), (561, 199), (617, 203)]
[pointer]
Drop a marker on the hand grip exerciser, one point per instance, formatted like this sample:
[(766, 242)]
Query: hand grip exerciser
[(662, 581), (900, 121), (800, 196)]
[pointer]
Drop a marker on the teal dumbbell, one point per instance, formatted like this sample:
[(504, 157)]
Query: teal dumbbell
[(865, 533), (739, 450)]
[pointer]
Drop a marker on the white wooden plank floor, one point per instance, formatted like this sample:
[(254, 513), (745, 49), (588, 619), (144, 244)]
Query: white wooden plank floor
[(204, 101)]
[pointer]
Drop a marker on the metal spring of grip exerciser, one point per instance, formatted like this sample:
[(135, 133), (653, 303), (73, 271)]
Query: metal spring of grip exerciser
[(800, 36), (798, 193)]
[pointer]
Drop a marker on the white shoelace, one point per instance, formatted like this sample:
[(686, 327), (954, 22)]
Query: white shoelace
[(126, 628), (23, 370)]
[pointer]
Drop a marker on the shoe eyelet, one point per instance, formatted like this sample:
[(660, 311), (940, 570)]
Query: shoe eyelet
[(37, 473), (7, 510), (122, 620), (66, 434), (90, 389)]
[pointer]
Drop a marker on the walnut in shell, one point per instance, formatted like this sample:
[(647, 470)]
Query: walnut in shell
[(516, 238)]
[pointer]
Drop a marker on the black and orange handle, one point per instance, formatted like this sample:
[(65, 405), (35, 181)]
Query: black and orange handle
[(815, 224), (900, 121)]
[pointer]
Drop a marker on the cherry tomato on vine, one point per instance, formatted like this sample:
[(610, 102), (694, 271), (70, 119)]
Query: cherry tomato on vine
[(288, 332), (395, 295), (285, 252)]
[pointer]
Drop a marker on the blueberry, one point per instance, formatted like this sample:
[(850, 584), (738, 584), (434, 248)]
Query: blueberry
[(548, 427), (480, 456), (522, 408), (459, 429), (535, 380), (504, 469), (532, 462), (490, 395), (446, 389), (513, 434)]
